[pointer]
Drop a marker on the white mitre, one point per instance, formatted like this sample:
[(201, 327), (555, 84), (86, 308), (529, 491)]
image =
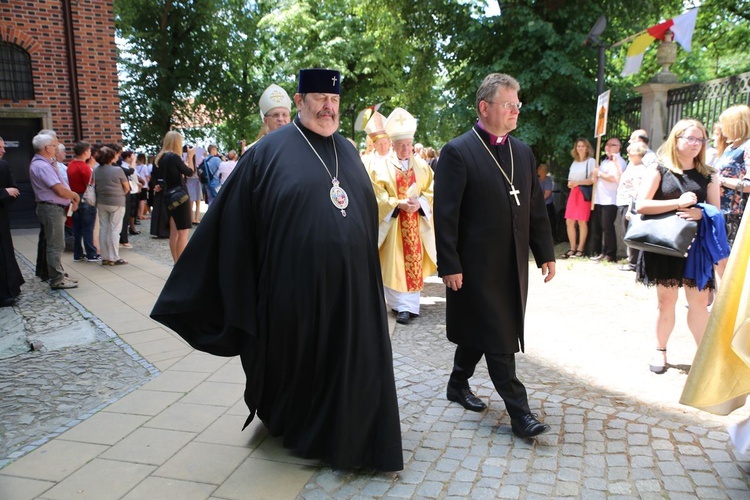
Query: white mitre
[(400, 125), (274, 97)]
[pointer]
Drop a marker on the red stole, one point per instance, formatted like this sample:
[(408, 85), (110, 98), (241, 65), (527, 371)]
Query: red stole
[(411, 238)]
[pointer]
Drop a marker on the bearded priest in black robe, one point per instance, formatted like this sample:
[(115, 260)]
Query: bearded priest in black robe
[(489, 209), (290, 280)]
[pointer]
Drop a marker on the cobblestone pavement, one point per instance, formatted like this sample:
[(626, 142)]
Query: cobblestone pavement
[(618, 431), (621, 443), (80, 366)]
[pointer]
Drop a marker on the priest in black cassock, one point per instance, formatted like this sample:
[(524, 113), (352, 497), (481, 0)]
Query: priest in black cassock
[(489, 210), (10, 274), (289, 279)]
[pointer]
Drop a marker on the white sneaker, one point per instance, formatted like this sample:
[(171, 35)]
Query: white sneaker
[(64, 284)]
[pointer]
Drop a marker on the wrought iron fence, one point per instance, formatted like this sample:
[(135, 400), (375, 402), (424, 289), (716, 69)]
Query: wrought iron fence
[(623, 119), (705, 101)]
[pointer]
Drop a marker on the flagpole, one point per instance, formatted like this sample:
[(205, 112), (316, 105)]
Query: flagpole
[(631, 37)]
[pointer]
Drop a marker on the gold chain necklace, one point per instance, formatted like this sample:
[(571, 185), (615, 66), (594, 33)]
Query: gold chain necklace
[(339, 198), (515, 192)]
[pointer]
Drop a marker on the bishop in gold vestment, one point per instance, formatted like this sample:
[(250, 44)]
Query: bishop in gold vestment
[(403, 187)]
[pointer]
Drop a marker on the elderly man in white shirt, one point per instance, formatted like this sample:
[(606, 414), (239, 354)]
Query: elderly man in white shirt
[(603, 218)]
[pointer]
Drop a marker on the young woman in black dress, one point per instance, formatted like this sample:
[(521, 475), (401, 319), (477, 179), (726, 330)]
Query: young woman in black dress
[(175, 169), (679, 180)]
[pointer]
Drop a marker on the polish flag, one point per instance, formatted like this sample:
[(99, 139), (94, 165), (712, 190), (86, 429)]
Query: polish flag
[(681, 26)]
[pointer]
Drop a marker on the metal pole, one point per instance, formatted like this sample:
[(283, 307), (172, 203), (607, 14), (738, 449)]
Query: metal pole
[(600, 74)]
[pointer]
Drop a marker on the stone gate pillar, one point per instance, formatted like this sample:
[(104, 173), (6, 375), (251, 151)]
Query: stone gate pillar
[(654, 100)]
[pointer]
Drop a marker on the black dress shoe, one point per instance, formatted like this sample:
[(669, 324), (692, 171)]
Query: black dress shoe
[(403, 318), (465, 398), (9, 302), (528, 426)]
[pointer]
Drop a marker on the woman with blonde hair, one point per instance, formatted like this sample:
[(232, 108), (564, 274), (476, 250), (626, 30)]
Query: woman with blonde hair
[(578, 208), (175, 169), (679, 180), (733, 166)]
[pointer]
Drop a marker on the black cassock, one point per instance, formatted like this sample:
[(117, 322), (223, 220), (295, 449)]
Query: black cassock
[(481, 232), (294, 287), (10, 275)]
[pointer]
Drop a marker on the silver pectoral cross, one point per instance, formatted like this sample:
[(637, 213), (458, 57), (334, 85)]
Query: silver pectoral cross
[(515, 192)]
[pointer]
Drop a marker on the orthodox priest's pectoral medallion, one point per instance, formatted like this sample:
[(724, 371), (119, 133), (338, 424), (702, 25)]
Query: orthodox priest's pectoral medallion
[(339, 198)]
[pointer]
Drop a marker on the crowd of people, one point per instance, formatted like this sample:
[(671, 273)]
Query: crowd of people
[(372, 226), (687, 176)]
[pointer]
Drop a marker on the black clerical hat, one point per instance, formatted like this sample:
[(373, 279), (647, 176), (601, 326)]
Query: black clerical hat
[(324, 81)]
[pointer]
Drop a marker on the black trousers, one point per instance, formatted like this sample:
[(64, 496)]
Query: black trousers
[(502, 368), (609, 215), (594, 240), (602, 227)]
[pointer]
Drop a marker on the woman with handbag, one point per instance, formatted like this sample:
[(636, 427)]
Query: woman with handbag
[(111, 186), (174, 169), (578, 208), (678, 181)]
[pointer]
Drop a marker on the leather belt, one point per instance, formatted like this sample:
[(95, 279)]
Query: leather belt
[(54, 204)]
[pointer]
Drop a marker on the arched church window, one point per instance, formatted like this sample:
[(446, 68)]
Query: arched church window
[(16, 82)]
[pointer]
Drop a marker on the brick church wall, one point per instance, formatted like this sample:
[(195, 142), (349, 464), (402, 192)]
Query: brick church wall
[(38, 26)]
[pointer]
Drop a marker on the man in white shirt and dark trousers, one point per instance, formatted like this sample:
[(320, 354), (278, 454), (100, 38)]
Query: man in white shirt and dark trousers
[(607, 177)]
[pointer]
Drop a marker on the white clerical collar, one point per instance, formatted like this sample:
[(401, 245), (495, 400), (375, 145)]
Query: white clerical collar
[(494, 139), (404, 164)]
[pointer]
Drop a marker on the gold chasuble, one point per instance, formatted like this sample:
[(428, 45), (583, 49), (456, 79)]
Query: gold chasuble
[(719, 379), (407, 241)]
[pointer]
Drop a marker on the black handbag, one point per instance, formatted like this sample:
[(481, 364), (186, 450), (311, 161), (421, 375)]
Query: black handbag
[(175, 196), (587, 190), (666, 234)]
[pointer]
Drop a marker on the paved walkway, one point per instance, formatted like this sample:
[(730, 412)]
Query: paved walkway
[(617, 430)]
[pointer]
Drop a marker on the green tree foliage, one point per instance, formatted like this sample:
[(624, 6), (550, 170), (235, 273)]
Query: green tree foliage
[(212, 59), (168, 43)]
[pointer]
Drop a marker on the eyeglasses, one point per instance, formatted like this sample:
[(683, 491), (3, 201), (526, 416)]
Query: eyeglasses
[(612, 145), (509, 105), (693, 140), (278, 115)]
